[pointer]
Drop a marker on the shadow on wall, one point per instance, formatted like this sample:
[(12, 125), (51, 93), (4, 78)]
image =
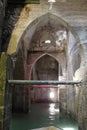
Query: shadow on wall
[(12, 14)]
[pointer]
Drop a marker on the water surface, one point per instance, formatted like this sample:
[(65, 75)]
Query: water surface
[(42, 115)]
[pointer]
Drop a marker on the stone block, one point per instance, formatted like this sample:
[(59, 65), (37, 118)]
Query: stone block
[(8, 111), (6, 124), (1, 100), (1, 124), (1, 112)]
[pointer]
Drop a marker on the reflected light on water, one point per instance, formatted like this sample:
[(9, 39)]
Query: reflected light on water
[(51, 106), (68, 128), (52, 109), (40, 117), (57, 110)]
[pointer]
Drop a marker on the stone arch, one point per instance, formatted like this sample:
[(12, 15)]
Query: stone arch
[(12, 51), (40, 58), (25, 40), (32, 25), (58, 19), (41, 70)]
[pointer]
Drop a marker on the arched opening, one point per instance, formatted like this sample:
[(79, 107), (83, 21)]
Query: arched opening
[(48, 36), (46, 68)]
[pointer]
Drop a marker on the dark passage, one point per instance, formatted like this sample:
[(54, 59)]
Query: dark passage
[(42, 115)]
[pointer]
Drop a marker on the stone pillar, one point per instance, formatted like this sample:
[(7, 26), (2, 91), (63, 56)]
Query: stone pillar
[(81, 74), (19, 92), (2, 14), (8, 94), (3, 63)]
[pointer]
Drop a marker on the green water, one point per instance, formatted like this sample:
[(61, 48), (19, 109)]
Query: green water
[(42, 115)]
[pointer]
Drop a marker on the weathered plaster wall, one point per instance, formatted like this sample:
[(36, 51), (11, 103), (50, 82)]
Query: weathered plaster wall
[(77, 64), (3, 63)]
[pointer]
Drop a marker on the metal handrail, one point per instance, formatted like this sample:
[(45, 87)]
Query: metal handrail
[(43, 82)]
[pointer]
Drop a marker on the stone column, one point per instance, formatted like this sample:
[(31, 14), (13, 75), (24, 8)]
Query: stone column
[(4, 121), (81, 74)]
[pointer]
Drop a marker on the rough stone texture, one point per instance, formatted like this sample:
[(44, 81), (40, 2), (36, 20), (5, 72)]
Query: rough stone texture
[(3, 61), (2, 14), (42, 9), (80, 98), (81, 74), (8, 95), (11, 18), (1, 19), (19, 92)]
